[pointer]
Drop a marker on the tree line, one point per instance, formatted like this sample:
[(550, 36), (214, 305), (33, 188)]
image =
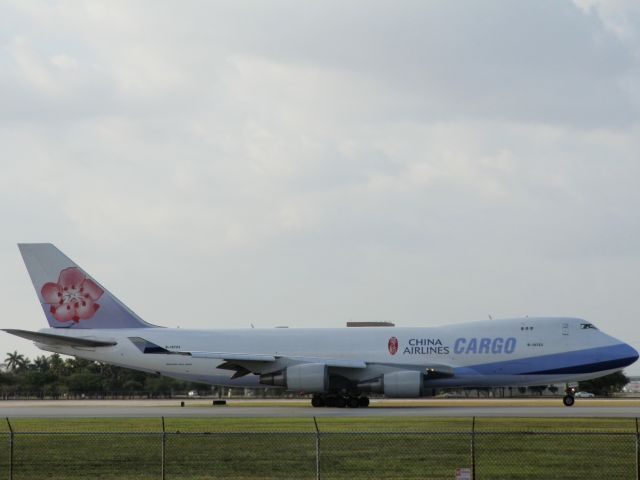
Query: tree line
[(56, 377)]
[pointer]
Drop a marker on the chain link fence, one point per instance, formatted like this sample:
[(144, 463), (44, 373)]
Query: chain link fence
[(318, 454)]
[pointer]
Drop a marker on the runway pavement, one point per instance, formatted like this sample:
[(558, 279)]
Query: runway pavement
[(282, 409)]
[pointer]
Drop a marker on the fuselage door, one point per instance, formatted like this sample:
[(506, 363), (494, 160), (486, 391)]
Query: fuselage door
[(565, 329)]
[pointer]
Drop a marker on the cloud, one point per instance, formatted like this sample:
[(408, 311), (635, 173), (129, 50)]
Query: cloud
[(621, 17), (420, 61), (307, 163)]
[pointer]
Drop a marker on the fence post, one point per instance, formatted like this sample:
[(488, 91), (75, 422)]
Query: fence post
[(10, 449), (473, 448), (637, 451), (315, 422), (164, 443)]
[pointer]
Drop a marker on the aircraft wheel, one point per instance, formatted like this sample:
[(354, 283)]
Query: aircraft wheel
[(363, 402), (318, 402), (353, 402), (340, 402), (568, 400)]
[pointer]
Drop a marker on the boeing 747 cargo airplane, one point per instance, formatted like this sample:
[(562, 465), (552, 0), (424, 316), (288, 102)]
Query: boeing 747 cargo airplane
[(339, 366)]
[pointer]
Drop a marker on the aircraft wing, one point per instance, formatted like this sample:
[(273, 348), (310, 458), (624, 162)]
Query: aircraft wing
[(52, 339), (245, 363), (247, 357), (146, 346)]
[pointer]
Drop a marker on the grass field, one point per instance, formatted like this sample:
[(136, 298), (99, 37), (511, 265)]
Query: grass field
[(350, 448), (325, 424)]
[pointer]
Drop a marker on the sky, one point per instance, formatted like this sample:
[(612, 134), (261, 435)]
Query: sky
[(219, 164)]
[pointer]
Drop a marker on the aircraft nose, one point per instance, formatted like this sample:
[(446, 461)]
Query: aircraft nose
[(628, 354)]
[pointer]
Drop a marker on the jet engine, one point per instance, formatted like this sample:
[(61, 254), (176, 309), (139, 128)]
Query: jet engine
[(404, 383), (306, 377)]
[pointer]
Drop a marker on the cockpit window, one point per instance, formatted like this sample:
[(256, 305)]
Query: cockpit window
[(585, 326)]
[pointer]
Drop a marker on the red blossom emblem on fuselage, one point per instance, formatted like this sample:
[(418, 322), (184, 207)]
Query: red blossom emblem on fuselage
[(73, 298), (393, 345)]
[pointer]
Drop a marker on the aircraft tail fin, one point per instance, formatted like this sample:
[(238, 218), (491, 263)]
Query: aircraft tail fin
[(69, 296)]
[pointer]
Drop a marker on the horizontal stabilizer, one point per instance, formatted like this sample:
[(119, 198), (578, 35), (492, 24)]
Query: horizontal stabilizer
[(51, 339)]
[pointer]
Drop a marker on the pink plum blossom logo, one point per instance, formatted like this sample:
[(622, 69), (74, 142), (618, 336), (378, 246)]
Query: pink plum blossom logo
[(393, 345), (73, 298)]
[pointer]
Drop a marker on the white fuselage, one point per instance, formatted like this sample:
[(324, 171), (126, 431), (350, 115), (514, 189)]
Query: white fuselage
[(487, 353)]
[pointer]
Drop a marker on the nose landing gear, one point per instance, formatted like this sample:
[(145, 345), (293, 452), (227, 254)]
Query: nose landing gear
[(568, 400)]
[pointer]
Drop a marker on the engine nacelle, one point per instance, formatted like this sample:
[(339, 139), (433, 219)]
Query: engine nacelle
[(405, 383), (306, 377)]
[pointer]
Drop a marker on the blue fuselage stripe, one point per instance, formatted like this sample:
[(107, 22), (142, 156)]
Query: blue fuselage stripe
[(579, 361), (587, 368)]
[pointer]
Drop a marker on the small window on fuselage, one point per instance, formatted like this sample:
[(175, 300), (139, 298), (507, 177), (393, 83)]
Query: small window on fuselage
[(585, 326)]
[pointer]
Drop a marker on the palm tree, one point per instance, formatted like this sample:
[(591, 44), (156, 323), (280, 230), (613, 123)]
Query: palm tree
[(56, 365), (41, 364), (15, 361)]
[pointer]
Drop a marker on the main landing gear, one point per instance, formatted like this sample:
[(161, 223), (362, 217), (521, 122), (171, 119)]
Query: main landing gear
[(569, 398), (339, 401)]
